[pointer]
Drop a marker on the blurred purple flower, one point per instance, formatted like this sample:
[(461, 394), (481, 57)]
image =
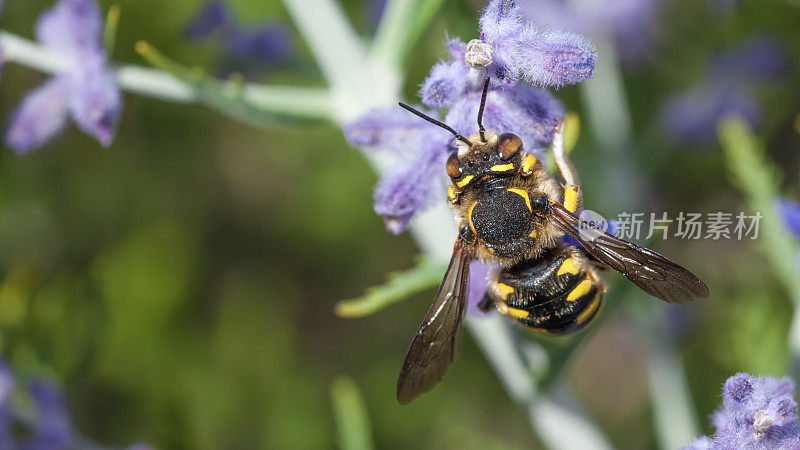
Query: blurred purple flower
[(691, 117), (87, 91), (373, 10), (53, 429), (756, 413), (50, 428), (789, 212), (266, 44), (519, 49), (6, 391), (760, 58), (214, 17), (630, 23)]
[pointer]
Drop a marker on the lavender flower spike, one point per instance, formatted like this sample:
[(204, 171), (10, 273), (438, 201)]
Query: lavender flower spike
[(542, 57), (87, 91), (756, 413)]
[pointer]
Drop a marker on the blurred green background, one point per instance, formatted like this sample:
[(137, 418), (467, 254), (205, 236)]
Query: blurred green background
[(180, 285)]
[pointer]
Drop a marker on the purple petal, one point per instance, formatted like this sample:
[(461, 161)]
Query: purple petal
[(268, 44), (96, 103), (540, 56), (215, 16), (410, 189), (53, 429), (445, 84), (692, 117), (478, 283), (72, 26), (42, 115), (530, 113), (6, 391), (789, 213), (392, 129)]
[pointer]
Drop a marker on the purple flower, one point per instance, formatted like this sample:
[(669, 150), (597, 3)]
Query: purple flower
[(789, 213), (87, 90), (53, 429), (542, 57), (760, 58), (215, 16), (630, 23), (267, 44), (478, 282), (691, 117), (532, 114), (6, 391), (756, 413), (419, 150), (509, 49)]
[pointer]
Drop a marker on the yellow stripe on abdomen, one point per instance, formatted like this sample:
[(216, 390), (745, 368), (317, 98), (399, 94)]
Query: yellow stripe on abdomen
[(591, 309), (580, 290), (568, 266)]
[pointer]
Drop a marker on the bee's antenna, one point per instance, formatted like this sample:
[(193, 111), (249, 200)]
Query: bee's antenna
[(481, 130), (436, 122)]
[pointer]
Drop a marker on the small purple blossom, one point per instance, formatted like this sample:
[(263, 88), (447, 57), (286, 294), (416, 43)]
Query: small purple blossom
[(267, 44), (87, 91), (789, 212), (478, 282), (691, 117), (756, 413), (540, 56), (53, 429), (214, 17)]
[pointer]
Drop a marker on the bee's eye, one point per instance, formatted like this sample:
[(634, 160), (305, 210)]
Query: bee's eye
[(453, 166), (508, 145)]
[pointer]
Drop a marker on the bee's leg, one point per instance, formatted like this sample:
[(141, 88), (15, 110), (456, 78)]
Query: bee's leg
[(486, 304), (572, 193)]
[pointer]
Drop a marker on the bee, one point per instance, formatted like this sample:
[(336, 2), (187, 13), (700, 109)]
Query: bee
[(511, 213)]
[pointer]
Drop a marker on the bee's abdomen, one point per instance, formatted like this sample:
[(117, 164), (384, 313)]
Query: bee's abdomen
[(556, 293)]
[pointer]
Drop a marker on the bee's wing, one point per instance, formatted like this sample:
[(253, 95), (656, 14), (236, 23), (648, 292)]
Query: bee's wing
[(655, 274), (435, 345)]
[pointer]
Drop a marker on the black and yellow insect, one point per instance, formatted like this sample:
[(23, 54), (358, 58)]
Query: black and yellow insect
[(511, 213)]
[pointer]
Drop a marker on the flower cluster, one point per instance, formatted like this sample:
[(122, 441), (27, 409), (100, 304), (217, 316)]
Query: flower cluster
[(756, 413), (691, 117), (629, 23), (509, 50), (267, 45), (86, 90)]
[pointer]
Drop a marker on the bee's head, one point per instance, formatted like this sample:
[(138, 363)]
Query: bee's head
[(485, 153), (489, 154)]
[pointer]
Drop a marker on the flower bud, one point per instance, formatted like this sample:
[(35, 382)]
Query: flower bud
[(479, 54)]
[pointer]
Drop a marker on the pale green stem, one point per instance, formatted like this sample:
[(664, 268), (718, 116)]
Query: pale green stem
[(609, 118), (393, 33), (310, 103)]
